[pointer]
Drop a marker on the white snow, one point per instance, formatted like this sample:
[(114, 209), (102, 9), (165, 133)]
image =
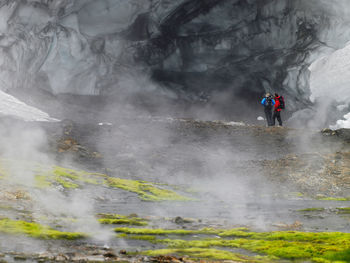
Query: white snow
[(235, 123), (342, 123), (330, 80), (10, 106)]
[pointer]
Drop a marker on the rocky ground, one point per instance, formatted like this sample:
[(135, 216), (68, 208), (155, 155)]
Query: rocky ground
[(235, 175), (313, 162)]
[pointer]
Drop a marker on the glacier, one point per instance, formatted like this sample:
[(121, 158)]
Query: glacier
[(208, 53)]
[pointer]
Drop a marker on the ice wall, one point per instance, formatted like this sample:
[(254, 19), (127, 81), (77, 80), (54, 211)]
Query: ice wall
[(215, 51), (329, 71), (330, 76)]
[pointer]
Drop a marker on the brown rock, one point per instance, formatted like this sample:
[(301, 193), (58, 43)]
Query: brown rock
[(110, 255), (61, 257)]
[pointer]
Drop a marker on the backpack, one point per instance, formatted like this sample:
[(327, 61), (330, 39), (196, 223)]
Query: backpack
[(268, 102), (282, 104)]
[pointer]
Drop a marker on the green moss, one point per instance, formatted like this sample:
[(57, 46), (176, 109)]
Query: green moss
[(145, 190), (277, 248), (208, 243), (314, 209), (292, 245), (41, 181), (79, 176), (333, 198), (65, 183), (236, 232), (343, 210), (342, 256), (291, 236), (121, 220), (46, 176), (281, 248), (35, 230), (70, 178), (198, 253)]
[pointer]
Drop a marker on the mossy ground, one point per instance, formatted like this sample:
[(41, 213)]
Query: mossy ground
[(333, 198), (343, 210), (146, 190), (35, 230), (121, 220), (211, 254), (290, 245), (313, 209), (48, 176), (342, 256)]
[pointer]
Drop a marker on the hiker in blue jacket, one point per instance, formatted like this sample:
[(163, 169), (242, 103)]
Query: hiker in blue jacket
[(268, 102)]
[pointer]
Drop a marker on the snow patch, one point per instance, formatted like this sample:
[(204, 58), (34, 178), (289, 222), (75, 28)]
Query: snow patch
[(234, 123), (10, 106), (330, 80), (342, 123)]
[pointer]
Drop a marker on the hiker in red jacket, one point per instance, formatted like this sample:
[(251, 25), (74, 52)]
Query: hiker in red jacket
[(279, 106)]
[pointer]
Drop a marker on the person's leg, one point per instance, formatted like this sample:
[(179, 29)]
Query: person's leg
[(279, 118), (274, 118), (268, 113), (268, 116)]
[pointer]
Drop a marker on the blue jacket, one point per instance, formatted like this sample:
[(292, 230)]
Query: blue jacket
[(263, 102)]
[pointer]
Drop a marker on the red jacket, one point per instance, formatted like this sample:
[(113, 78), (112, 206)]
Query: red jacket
[(277, 104)]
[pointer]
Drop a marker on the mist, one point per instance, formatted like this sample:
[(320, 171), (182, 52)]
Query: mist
[(168, 93), (25, 150)]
